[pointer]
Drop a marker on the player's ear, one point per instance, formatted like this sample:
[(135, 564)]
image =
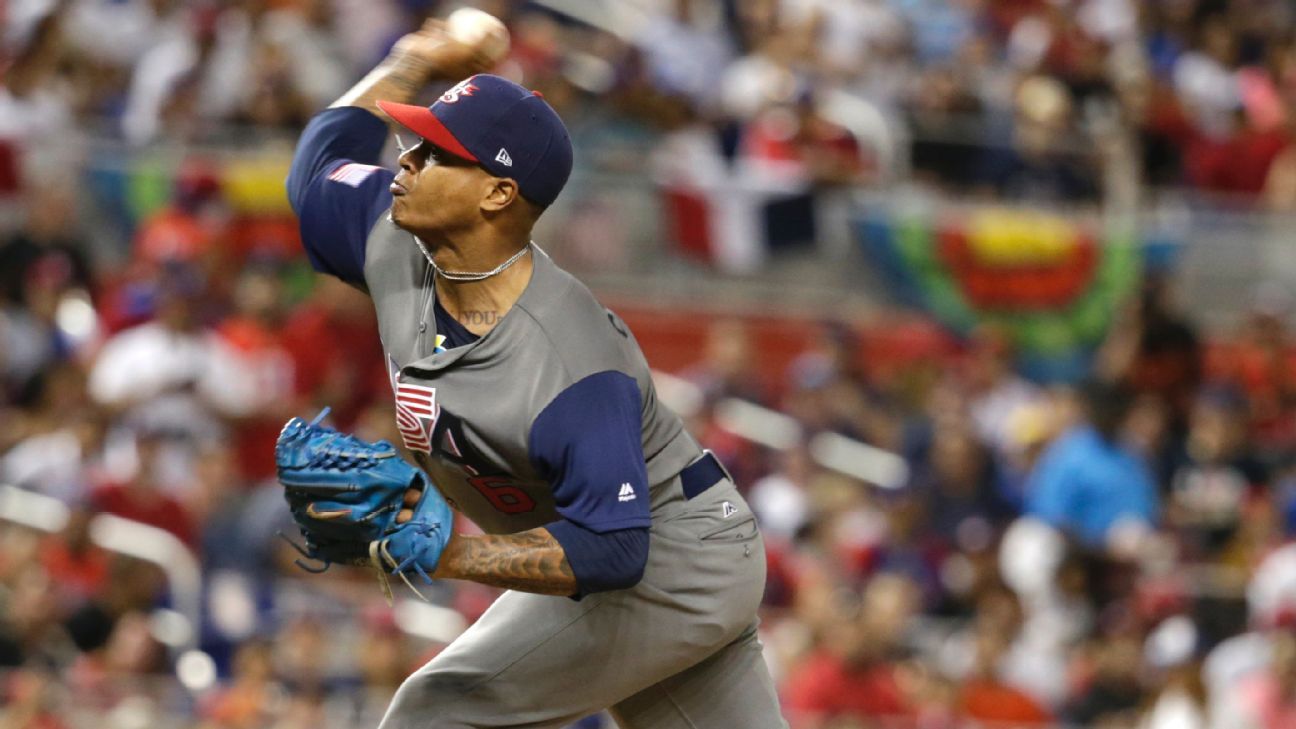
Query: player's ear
[(502, 193)]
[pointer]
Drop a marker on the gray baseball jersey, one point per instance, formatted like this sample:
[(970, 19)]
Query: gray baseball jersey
[(550, 419), (468, 413)]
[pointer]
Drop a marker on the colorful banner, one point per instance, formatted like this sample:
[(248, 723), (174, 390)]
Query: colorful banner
[(134, 184), (1054, 282)]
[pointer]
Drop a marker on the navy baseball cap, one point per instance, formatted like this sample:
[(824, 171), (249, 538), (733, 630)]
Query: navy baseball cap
[(507, 129)]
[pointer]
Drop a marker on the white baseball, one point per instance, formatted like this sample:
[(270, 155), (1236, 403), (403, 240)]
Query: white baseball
[(474, 27)]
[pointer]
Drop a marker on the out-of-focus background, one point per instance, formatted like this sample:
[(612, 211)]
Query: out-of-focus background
[(985, 303)]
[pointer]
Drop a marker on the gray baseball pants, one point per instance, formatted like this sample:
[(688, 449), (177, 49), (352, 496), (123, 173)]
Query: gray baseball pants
[(677, 651)]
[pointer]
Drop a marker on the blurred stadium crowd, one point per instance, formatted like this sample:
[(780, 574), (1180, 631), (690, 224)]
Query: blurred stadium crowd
[(1024, 98), (1107, 553)]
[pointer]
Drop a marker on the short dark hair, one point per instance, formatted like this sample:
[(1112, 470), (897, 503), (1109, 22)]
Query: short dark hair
[(1107, 402)]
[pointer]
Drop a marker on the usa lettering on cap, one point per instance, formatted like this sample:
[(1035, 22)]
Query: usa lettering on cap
[(509, 130)]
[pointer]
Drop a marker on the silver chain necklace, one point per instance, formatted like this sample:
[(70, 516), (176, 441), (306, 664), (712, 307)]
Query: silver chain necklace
[(466, 276)]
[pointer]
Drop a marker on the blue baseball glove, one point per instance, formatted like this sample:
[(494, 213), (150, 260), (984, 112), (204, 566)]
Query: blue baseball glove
[(345, 493), (415, 547)]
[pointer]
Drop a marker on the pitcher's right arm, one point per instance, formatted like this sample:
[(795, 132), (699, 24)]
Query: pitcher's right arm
[(336, 185)]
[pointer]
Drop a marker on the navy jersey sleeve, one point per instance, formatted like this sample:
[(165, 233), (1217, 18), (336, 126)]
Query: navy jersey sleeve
[(613, 560), (588, 443), (338, 190)]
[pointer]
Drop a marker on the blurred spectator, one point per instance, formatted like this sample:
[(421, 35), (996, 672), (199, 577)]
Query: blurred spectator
[(1087, 482), (1054, 589), (146, 497), (336, 318), (728, 367), (1261, 362), (1265, 700), (253, 336), (252, 694), (186, 230), (203, 72), (169, 374), (1155, 350), (984, 697), (238, 520), (858, 673), (36, 332), (1113, 694), (34, 105), (31, 631), (130, 591), (1218, 474), (63, 449), (1171, 652), (1002, 672), (831, 391), (1038, 164), (686, 50), (73, 561), (49, 240), (274, 101), (116, 33), (780, 499), (308, 38), (955, 485), (796, 143), (384, 664), (998, 395), (302, 657), (1206, 79), (941, 113), (32, 700)]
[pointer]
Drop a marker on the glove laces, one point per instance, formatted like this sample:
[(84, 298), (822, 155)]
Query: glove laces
[(342, 451), (380, 557)]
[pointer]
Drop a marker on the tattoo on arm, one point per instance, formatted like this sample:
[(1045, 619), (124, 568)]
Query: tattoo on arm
[(530, 561), (395, 79)]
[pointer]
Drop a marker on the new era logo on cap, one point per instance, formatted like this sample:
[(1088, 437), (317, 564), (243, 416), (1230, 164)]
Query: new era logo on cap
[(507, 129)]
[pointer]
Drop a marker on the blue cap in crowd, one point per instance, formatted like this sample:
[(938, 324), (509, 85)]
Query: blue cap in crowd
[(507, 129)]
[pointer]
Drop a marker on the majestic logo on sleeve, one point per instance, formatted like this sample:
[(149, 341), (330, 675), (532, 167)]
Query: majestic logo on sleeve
[(627, 492), (463, 88), (416, 411)]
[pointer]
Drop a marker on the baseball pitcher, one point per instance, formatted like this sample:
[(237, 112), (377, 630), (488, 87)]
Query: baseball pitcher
[(633, 566)]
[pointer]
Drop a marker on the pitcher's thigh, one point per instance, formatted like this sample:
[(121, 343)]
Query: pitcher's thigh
[(511, 668), (731, 689)]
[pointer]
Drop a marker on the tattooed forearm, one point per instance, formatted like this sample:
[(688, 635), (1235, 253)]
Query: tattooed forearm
[(530, 561), (417, 58), (396, 79)]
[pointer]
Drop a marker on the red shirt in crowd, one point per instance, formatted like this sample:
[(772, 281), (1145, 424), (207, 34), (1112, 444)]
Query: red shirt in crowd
[(145, 505), (826, 686), (314, 337), (267, 359), (990, 701), (82, 572)]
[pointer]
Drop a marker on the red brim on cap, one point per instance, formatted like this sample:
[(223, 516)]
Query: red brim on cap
[(421, 121)]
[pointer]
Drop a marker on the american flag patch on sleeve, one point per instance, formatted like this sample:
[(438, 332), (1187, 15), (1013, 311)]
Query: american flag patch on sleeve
[(352, 173)]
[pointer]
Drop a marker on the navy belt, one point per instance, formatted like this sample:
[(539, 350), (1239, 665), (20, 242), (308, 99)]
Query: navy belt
[(701, 475)]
